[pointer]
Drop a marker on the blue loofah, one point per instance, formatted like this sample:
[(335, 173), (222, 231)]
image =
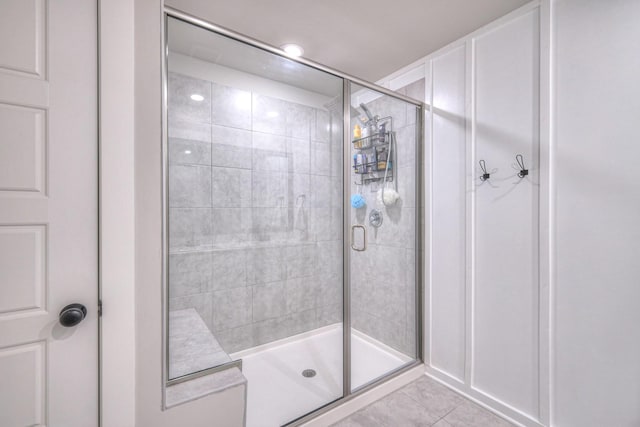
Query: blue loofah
[(357, 201)]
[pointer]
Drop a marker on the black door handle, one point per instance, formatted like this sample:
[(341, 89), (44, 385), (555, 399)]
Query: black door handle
[(72, 314)]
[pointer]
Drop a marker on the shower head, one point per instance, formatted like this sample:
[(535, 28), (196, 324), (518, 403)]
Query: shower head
[(335, 106), (366, 111), (356, 113)]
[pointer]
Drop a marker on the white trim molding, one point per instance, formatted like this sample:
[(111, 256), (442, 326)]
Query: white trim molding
[(424, 68), (117, 213)]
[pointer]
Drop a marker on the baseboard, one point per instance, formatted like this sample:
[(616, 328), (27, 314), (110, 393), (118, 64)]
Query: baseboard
[(489, 403)]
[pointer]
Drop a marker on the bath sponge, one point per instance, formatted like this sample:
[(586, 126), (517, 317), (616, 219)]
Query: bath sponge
[(388, 196), (357, 201)]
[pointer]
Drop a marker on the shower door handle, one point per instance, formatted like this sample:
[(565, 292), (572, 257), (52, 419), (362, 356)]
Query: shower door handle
[(353, 238)]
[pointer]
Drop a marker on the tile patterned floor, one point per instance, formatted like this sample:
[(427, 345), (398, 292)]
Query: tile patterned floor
[(423, 402)]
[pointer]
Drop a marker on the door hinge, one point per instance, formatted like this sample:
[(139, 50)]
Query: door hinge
[(99, 308)]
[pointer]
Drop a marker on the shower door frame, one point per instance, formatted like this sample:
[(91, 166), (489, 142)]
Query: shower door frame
[(348, 80)]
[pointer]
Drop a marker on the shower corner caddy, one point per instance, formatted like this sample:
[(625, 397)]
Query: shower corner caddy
[(374, 145)]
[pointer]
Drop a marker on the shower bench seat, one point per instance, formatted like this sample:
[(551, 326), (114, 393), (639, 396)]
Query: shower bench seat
[(194, 348)]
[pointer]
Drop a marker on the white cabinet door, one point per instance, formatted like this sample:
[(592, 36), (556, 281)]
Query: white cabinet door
[(48, 212)]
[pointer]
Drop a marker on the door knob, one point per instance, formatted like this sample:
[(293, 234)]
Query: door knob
[(72, 314)]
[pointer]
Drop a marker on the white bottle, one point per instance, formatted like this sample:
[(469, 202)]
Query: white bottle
[(365, 137)]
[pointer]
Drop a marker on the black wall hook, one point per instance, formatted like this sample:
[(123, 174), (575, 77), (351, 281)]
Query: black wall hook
[(485, 175), (523, 171)]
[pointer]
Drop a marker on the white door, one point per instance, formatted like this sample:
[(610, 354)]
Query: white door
[(48, 212)]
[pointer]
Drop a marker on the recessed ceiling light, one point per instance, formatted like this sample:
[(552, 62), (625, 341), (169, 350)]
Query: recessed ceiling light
[(273, 114), (292, 49), (196, 97), (187, 151)]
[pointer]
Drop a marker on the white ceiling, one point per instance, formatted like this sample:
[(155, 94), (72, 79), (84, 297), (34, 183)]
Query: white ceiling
[(367, 39), (205, 45)]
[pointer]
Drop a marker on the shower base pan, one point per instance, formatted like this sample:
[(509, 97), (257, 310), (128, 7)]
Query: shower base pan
[(278, 391)]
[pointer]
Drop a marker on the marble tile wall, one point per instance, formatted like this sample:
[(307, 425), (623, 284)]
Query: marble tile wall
[(383, 293), (255, 212)]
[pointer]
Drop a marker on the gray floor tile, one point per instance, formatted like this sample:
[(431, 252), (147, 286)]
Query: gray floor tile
[(397, 409), (424, 402), (472, 415), (359, 419), (438, 399), (442, 423)]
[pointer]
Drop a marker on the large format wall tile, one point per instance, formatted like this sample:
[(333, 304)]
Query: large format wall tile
[(189, 152), (183, 128), (302, 293), (298, 155), (255, 213), (270, 189), (320, 155), (189, 273), (406, 147), (321, 191), (228, 269), (383, 277), (269, 301), (270, 221), (269, 142), (189, 186), (298, 120), (301, 260), (231, 147), (231, 308), (231, 107), (321, 130), (182, 105), (236, 339), (266, 264), (190, 227), (329, 288), (269, 115), (230, 224), (329, 314), (231, 188), (320, 223)]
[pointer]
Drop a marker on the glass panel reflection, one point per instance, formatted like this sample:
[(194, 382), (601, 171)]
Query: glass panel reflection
[(255, 221), (383, 212)]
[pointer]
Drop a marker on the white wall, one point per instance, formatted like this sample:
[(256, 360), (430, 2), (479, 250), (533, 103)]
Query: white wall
[(448, 252), (595, 206), (504, 214), (483, 290), (117, 213), (582, 247), (596, 298), (224, 409)]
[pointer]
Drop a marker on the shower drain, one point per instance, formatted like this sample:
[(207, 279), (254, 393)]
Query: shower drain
[(309, 373)]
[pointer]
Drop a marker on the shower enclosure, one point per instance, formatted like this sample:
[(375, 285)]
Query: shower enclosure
[(292, 235)]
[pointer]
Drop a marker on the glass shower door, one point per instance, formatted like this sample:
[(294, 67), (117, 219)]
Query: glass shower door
[(291, 243), (255, 219), (383, 232)]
